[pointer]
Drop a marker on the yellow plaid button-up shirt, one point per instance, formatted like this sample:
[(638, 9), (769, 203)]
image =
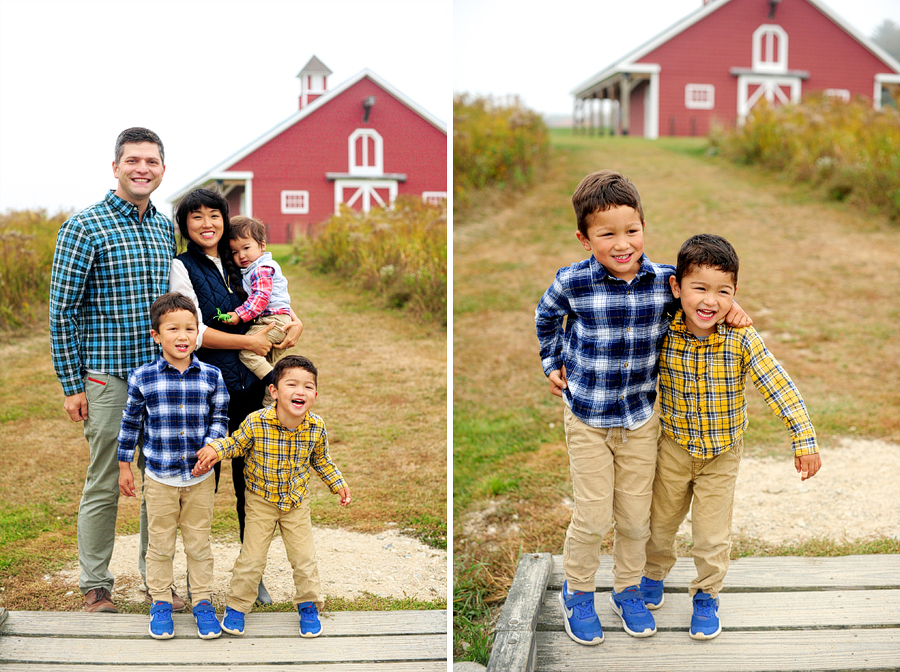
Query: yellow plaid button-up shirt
[(277, 459), (702, 385)]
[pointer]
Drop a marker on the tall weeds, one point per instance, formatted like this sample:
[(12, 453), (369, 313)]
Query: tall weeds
[(495, 143), (27, 241), (848, 149), (398, 253)]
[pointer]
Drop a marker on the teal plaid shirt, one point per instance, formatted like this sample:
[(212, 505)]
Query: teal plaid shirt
[(107, 269)]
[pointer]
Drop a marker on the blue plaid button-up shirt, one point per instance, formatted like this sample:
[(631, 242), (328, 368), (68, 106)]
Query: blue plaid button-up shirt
[(107, 269), (179, 413), (611, 341)]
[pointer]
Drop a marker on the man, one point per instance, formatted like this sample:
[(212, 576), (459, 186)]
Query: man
[(111, 262)]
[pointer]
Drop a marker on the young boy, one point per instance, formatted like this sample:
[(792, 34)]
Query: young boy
[(179, 404), (703, 414), (279, 444), (267, 294), (604, 365)]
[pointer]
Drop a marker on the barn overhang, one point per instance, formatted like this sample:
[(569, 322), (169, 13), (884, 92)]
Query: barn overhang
[(616, 85)]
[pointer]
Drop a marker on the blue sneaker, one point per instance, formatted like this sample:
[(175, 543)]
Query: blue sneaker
[(207, 624), (233, 621), (705, 621), (580, 617), (161, 626), (652, 592), (630, 607), (310, 626)]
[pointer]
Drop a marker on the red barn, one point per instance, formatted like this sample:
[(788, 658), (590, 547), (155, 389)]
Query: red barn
[(721, 60), (361, 144)]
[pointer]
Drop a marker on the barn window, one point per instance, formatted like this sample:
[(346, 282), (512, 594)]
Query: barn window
[(434, 197), (294, 202), (770, 49), (366, 152), (699, 96)]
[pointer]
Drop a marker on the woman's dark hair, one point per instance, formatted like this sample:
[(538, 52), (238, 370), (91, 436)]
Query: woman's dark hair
[(212, 199)]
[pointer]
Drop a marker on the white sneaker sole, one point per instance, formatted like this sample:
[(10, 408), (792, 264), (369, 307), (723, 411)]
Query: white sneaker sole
[(701, 635), (593, 642), (653, 607), (165, 635), (618, 610)]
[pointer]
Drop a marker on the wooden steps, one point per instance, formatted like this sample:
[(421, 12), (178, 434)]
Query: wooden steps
[(782, 613), (357, 641)]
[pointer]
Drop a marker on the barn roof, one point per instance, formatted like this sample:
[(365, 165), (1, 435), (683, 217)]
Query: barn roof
[(315, 67), (321, 101), (628, 62)]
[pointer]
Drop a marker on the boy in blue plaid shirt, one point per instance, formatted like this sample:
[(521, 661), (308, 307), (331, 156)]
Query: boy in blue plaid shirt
[(178, 404), (604, 364)]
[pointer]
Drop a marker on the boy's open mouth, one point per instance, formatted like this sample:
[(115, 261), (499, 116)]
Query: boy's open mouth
[(622, 258), (705, 314), (298, 403)]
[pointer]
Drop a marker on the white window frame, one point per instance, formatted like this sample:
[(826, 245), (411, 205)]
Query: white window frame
[(434, 197), (377, 146), (691, 103), (839, 94), (365, 192), (764, 57), (288, 195)]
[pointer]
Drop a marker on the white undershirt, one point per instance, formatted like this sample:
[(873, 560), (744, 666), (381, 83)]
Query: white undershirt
[(180, 281)]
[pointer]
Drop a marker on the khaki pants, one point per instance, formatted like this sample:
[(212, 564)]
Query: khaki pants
[(191, 509), (259, 528), (706, 487), (261, 366), (612, 479)]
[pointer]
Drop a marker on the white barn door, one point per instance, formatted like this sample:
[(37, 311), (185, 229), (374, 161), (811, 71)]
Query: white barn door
[(775, 90)]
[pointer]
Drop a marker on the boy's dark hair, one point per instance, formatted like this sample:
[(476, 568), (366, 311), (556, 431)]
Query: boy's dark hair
[(247, 227), (707, 250), (137, 134), (169, 303), (293, 362), (601, 191)]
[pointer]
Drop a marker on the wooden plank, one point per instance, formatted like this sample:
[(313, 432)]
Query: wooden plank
[(791, 651), (854, 572), (514, 644), (756, 611), (174, 666), (334, 624), (189, 650)]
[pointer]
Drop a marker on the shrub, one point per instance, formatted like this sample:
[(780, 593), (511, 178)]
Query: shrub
[(848, 149), (27, 241), (495, 143), (399, 253)]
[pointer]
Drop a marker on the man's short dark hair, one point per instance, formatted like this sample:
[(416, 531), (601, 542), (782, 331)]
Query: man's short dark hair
[(293, 362), (707, 250), (247, 227), (135, 135), (169, 303), (601, 191)]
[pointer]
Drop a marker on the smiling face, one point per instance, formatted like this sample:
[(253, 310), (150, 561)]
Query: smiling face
[(139, 172), (246, 250), (615, 238), (706, 295), (178, 337), (205, 227), (294, 396)]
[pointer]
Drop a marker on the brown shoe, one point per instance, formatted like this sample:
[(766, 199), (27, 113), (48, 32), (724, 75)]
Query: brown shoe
[(177, 601), (99, 599)]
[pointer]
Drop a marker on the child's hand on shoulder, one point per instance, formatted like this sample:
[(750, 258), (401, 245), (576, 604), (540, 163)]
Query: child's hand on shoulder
[(344, 494), (807, 465), (737, 318)]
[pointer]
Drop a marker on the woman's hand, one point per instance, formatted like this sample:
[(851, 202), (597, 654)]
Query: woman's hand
[(259, 343), (292, 331)]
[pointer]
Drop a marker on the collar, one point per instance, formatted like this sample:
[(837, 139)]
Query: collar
[(677, 325), (600, 272), (264, 258), (127, 208), (270, 416), (162, 364)]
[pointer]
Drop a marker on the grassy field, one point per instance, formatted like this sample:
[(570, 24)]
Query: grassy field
[(818, 278), (383, 393)]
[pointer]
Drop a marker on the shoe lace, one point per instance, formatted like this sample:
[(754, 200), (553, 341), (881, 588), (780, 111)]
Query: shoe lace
[(704, 607), (101, 594), (584, 610), (634, 605)]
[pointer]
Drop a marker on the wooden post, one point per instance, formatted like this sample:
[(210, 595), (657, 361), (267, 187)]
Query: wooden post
[(626, 102)]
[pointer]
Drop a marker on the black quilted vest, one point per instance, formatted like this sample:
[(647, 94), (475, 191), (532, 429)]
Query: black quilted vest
[(212, 293)]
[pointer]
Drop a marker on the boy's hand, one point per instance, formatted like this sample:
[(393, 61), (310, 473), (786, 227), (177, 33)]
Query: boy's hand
[(206, 458), (126, 479), (232, 318), (558, 381), (737, 318), (807, 465), (344, 494)]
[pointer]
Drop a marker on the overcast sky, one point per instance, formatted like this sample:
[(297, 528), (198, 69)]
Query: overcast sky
[(542, 56), (208, 77)]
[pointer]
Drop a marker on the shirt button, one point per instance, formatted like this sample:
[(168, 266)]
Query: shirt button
[(626, 365)]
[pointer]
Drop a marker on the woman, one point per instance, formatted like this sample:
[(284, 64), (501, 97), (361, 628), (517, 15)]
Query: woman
[(206, 274)]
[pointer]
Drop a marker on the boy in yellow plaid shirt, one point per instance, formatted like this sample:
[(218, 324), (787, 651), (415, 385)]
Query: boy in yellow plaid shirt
[(703, 415), (279, 444)]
